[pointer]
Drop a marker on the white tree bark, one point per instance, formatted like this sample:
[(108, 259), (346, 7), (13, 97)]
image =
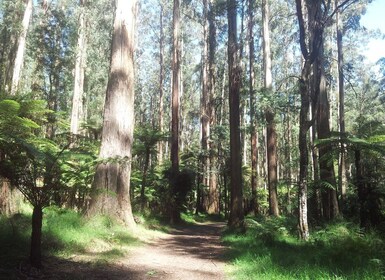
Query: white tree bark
[(21, 42), (77, 99)]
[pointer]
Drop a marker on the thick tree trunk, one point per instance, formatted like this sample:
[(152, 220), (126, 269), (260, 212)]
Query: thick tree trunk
[(176, 79), (21, 42), (111, 188), (330, 203), (80, 64), (236, 203), (37, 222)]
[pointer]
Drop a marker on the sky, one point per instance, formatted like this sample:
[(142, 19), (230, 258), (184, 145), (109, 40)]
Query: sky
[(374, 19)]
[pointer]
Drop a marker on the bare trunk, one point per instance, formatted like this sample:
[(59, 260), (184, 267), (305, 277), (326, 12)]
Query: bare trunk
[(37, 222), (176, 79), (272, 164), (342, 180), (21, 42), (330, 203), (214, 197), (161, 77), (269, 115), (144, 181), (111, 188), (236, 202), (253, 122), (205, 116), (77, 99)]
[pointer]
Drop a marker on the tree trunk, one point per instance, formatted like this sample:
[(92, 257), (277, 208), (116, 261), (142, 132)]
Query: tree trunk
[(144, 180), (176, 79), (272, 164), (111, 188), (330, 203), (161, 78), (37, 222), (361, 189), (236, 202), (80, 64), (310, 39), (269, 115), (253, 122), (21, 42), (342, 180), (205, 116)]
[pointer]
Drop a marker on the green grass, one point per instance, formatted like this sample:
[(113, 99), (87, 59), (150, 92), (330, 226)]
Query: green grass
[(65, 233), (271, 250)]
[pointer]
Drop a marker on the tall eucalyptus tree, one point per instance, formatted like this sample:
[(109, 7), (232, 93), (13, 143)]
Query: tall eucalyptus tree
[(111, 187), (236, 201)]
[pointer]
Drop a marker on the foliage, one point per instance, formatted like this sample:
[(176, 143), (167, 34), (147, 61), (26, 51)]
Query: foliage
[(270, 250), (65, 233)]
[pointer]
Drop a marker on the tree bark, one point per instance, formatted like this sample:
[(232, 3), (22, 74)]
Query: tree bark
[(205, 115), (176, 79), (253, 123), (271, 136), (269, 115), (144, 180), (236, 218), (342, 180), (214, 197), (80, 64), (21, 42), (37, 222), (330, 203), (111, 187), (161, 78)]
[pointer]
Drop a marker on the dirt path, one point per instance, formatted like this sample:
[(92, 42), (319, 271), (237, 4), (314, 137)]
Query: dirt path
[(190, 252), (193, 252)]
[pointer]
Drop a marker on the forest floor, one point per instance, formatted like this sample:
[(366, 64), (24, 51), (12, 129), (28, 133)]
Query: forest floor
[(191, 252)]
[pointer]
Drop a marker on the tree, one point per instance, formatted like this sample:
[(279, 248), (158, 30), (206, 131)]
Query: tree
[(111, 187), (21, 42), (271, 133), (253, 126), (77, 98), (310, 40), (161, 78), (236, 202), (205, 115), (176, 78), (31, 163), (327, 176), (214, 197)]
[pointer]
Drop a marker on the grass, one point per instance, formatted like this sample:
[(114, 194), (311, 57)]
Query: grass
[(271, 250), (66, 234)]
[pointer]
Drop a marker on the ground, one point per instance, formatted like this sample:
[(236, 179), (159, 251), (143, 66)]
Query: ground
[(190, 252)]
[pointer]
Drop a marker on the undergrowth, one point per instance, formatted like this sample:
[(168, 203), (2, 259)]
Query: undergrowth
[(99, 240), (270, 249)]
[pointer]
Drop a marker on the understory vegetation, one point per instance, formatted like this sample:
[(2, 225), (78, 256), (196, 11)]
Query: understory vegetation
[(270, 249), (67, 235)]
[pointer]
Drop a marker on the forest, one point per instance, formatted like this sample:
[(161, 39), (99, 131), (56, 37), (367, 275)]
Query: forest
[(253, 128)]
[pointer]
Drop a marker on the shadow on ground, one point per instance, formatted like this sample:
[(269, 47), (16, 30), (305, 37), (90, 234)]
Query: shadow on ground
[(200, 240)]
